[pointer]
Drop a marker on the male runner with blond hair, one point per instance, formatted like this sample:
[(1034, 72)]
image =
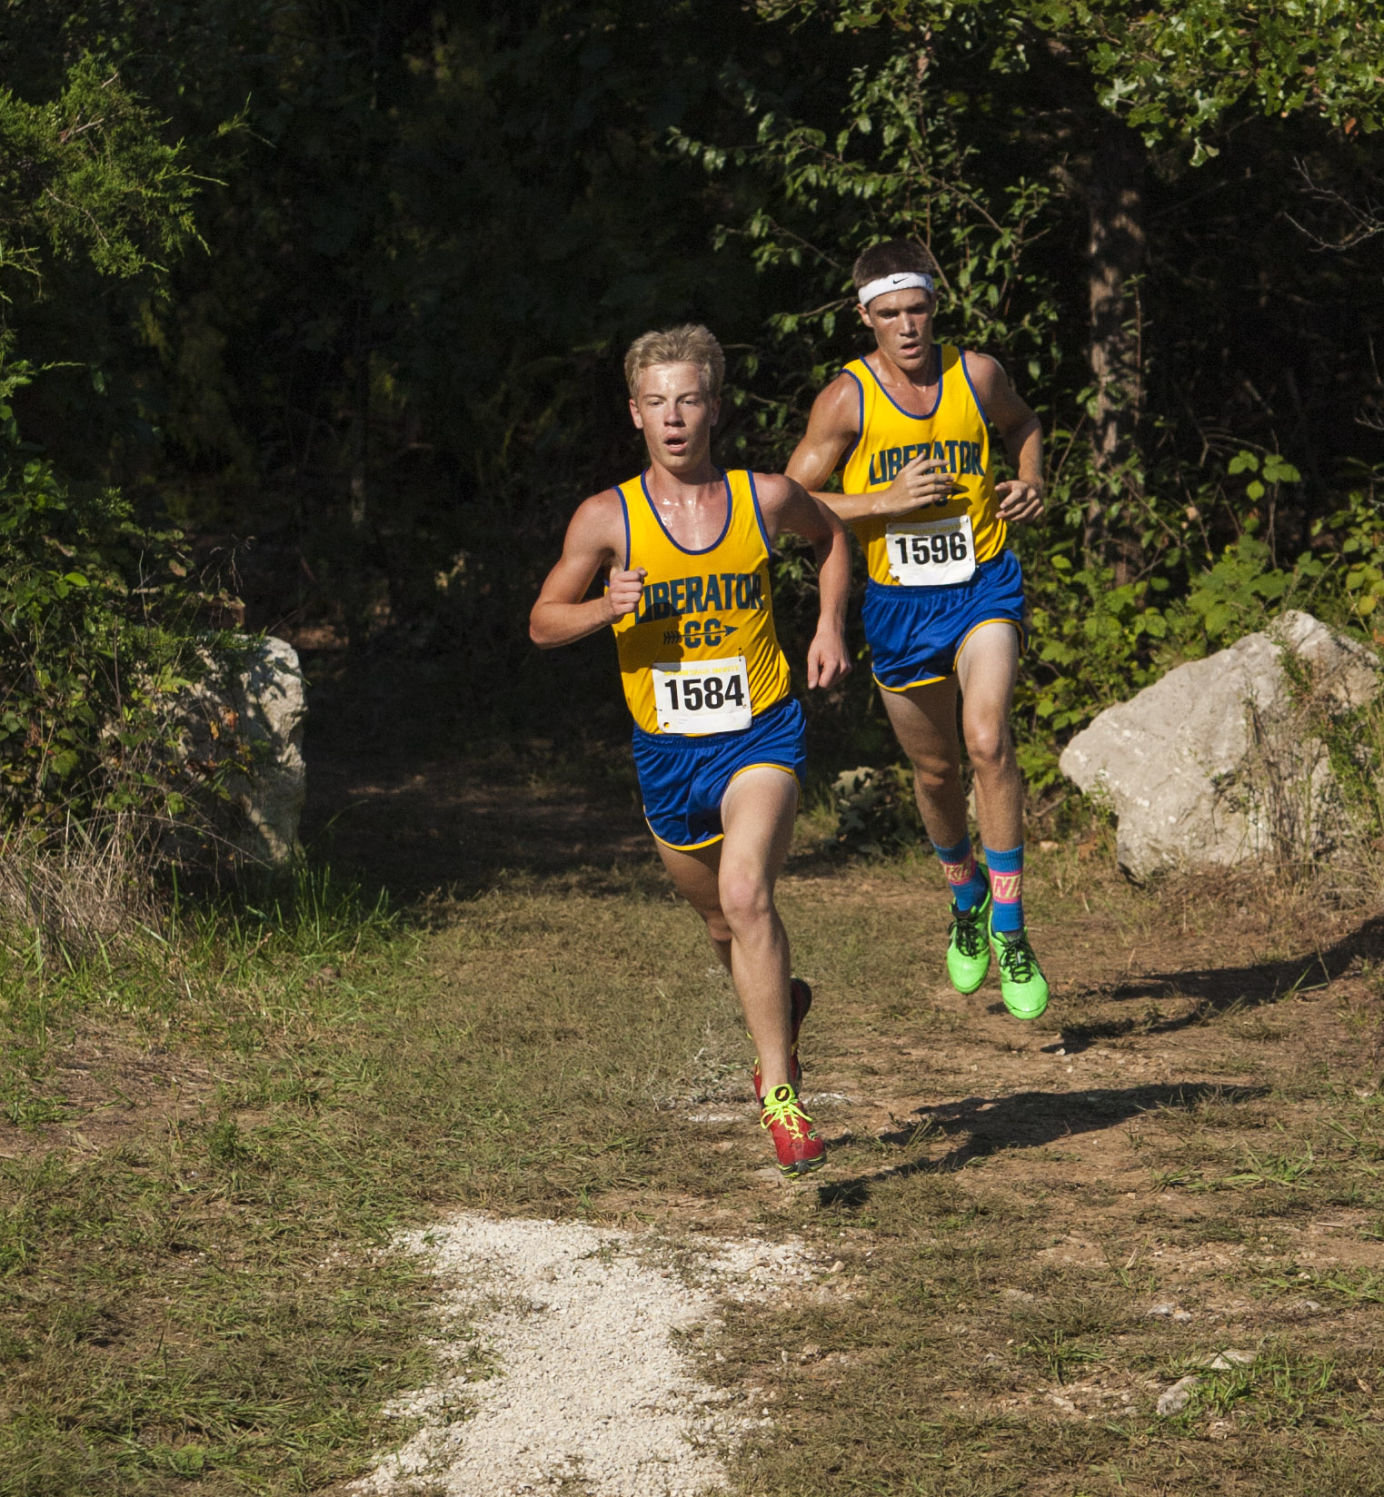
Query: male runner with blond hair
[(718, 739), (909, 426)]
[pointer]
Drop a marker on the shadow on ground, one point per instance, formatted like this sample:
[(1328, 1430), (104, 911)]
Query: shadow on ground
[(987, 1125), (417, 786), (1219, 990)]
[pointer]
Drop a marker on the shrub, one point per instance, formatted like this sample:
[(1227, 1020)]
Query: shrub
[(100, 623), (93, 631), (1096, 641), (875, 809)]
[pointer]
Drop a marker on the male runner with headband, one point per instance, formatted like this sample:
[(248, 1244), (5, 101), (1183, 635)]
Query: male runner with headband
[(944, 605), (718, 739)]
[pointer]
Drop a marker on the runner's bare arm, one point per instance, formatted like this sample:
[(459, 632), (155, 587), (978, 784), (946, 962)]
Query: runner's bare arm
[(786, 505), (1020, 430), (831, 428), (595, 538)]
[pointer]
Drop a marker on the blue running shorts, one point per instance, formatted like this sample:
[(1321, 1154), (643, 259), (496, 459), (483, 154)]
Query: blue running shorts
[(916, 633), (683, 779)]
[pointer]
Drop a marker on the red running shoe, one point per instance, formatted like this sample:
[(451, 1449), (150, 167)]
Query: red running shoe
[(795, 1140), (799, 1001)]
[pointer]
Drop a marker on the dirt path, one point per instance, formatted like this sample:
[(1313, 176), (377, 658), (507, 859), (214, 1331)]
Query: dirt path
[(1185, 1050), (1105, 1136)]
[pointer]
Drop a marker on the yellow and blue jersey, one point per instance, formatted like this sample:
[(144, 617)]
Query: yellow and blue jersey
[(954, 431), (703, 636)]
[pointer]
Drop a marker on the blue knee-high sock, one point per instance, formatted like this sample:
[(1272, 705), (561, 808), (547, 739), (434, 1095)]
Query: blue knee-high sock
[(965, 877), (1006, 889)]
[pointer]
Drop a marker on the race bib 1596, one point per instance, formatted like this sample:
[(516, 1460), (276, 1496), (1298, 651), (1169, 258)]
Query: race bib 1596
[(931, 553)]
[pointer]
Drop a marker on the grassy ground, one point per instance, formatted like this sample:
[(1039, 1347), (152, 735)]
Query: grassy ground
[(1039, 1228)]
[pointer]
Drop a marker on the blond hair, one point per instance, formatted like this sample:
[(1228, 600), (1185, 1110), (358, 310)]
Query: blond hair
[(689, 344)]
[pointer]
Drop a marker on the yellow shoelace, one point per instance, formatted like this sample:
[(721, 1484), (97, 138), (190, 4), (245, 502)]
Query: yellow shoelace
[(785, 1111)]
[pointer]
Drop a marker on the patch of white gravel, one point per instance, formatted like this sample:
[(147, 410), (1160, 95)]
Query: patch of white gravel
[(590, 1386)]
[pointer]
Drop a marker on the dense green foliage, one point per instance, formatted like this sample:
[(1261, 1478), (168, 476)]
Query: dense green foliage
[(97, 624), (979, 129), (381, 362), (89, 653), (1085, 175), (1181, 73), (1098, 640), (86, 175)]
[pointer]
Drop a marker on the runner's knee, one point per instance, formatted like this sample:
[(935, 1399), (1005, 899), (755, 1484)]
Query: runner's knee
[(989, 746), (933, 775), (745, 900), (717, 926)]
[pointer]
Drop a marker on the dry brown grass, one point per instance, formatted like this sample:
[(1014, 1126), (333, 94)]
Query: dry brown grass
[(201, 1153), (79, 890)]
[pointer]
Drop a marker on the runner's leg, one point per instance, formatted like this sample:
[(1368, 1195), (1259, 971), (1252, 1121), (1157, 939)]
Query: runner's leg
[(694, 874), (730, 884), (987, 669), (924, 721), (757, 813)]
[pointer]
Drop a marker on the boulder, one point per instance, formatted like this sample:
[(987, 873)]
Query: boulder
[(242, 731), (1223, 760)]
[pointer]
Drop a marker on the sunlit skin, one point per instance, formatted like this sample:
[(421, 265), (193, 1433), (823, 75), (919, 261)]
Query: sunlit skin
[(902, 324), (904, 359), (676, 416), (729, 883), (924, 718)]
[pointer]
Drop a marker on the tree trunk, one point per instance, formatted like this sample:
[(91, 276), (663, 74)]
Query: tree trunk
[(1115, 199), (356, 589)]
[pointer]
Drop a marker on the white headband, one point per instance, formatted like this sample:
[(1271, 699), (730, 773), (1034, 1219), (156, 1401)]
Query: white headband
[(901, 280)]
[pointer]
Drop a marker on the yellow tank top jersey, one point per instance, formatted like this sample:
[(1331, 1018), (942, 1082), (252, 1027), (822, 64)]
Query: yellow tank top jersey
[(954, 431), (700, 654)]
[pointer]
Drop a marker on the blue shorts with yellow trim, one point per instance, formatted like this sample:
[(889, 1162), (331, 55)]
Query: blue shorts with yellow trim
[(683, 779), (916, 633)]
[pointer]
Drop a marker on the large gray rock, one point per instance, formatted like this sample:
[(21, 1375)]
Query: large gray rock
[(242, 726), (270, 694), (1222, 761)]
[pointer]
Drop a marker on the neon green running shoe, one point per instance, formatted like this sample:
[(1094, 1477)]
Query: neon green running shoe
[(1022, 984), (968, 951)]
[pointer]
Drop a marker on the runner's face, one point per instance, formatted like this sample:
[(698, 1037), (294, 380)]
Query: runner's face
[(902, 324), (675, 414)]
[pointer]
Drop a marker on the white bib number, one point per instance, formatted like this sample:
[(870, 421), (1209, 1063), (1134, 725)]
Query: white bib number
[(703, 696), (931, 553)]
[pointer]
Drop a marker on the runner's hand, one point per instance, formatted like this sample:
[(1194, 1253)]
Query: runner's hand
[(923, 480), (623, 591), (828, 659), (1019, 500)]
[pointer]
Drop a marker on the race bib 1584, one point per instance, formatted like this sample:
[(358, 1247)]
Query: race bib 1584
[(702, 696)]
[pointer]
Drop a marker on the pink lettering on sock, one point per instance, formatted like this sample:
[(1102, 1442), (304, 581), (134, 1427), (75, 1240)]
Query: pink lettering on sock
[(960, 873), (1005, 888)]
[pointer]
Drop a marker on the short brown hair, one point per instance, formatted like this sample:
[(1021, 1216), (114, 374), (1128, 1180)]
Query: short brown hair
[(891, 258), (689, 344)]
